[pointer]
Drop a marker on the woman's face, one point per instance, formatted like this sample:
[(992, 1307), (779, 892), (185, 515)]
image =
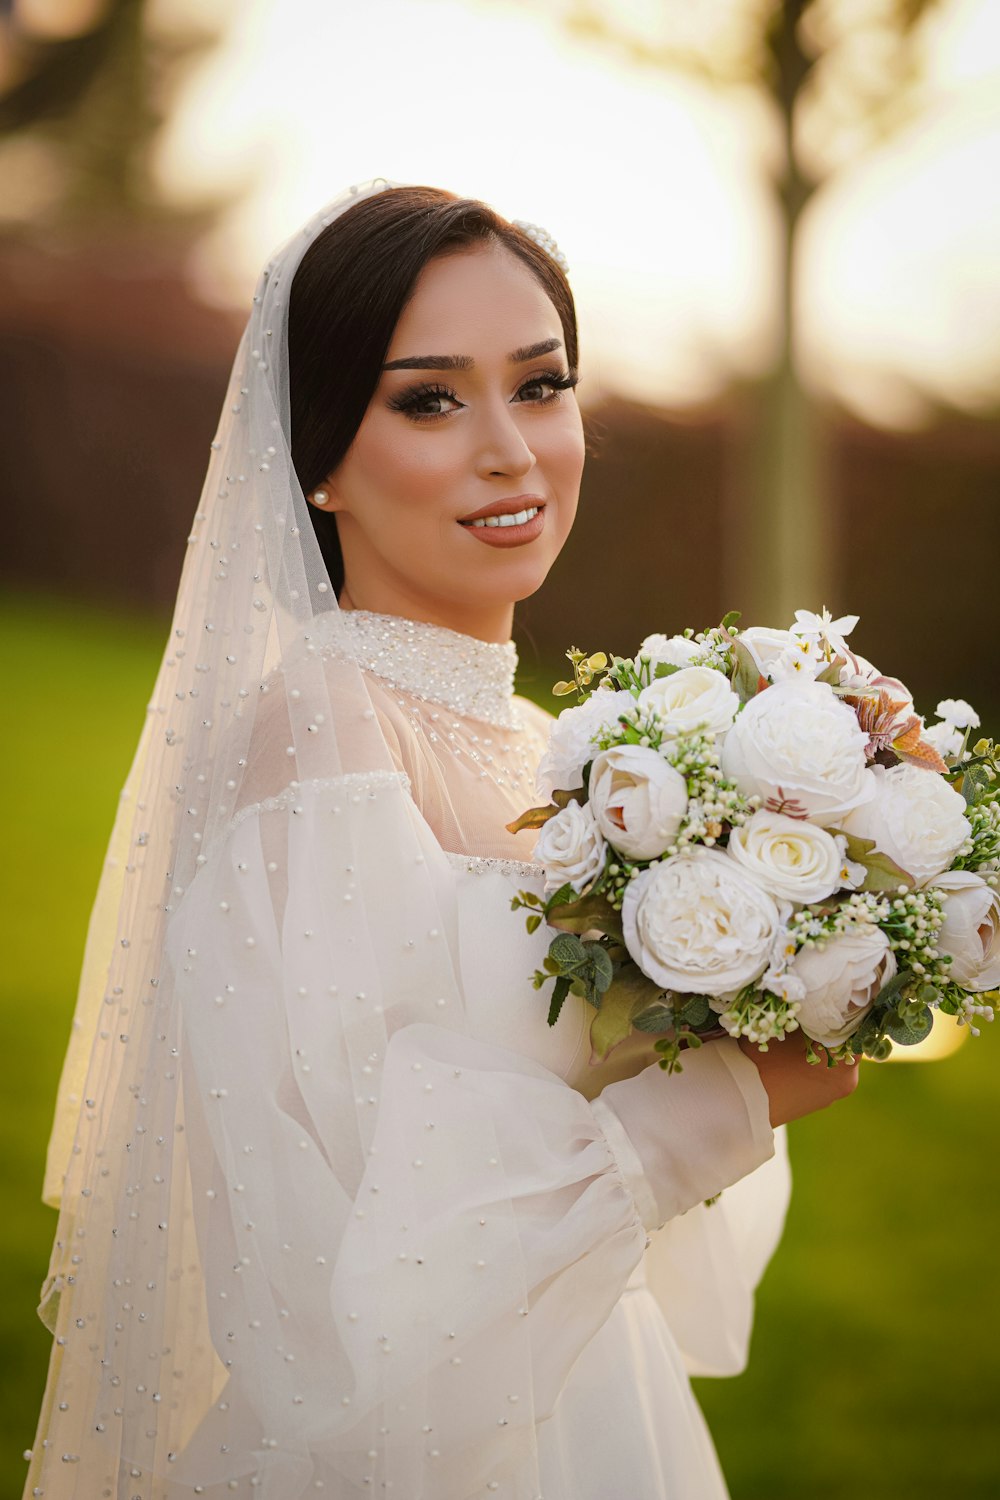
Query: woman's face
[(474, 417)]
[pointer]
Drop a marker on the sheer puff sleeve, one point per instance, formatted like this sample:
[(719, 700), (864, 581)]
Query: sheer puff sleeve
[(401, 1300)]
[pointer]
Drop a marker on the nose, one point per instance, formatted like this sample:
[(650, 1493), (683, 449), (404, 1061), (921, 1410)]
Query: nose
[(501, 448)]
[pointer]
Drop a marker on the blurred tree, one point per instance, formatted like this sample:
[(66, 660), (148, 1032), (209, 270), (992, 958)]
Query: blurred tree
[(840, 74), (84, 88), (114, 367)]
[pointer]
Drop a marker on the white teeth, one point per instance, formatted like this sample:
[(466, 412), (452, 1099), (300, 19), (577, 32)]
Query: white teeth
[(518, 519)]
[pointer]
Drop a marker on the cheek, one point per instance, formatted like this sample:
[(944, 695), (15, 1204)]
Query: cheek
[(562, 455), (391, 467)]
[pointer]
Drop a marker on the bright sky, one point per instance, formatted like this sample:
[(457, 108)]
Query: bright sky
[(656, 187)]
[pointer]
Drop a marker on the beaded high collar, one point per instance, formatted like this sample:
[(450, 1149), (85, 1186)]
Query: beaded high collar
[(474, 678)]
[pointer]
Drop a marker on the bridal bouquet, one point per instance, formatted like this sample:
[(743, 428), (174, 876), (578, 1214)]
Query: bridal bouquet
[(754, 830)]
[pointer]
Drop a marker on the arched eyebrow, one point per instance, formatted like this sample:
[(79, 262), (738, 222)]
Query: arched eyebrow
[(520, 356)]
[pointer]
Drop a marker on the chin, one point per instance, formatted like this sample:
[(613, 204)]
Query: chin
[(518, 580)]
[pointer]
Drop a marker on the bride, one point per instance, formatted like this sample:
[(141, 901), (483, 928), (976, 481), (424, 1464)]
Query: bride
[(338, 1212)]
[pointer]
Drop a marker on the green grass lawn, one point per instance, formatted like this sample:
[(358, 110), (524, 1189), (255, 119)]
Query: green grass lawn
[(875, 1368)]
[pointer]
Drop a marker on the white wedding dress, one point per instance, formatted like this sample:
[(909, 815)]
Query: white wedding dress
[(590, 1298)]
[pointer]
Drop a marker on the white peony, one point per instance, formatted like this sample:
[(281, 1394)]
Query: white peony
[(571, 848), (672, 650), (698, 924), (570, 747), (801, 750), (842, 982), (971, 930), (791, 858), (695, 698), (915, 818), (638, 800)]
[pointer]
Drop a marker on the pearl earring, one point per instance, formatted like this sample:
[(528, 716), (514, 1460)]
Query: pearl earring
[(320, 497)]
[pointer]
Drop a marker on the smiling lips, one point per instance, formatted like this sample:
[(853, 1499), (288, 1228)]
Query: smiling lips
[(507, 523), (517, 519)]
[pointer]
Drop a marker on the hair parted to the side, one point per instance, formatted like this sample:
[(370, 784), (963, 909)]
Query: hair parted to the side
[(347, 296)]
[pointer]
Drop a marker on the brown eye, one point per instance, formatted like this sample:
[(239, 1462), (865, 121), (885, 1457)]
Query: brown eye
[(430, 406), (423, 403), (544, 388), (535, 390)]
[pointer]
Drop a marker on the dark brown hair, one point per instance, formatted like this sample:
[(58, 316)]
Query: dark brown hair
[(347, 295)]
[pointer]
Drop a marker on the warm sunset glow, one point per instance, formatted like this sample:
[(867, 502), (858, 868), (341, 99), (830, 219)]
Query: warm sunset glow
[(656, 191), (946, 1038), (656, 185), (55, 19)]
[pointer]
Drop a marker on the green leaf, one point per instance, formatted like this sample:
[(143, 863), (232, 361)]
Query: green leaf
[(602, 969), (630, 993), (670, 1054), (535, 817), (567, 951), (974, 783), (730, 621), (587, 913), (655, 1019), (612, 1024), (564, 894), (746, 679), (911, 1026), (665, 669), (891, 994), (533, 922), (831, 672), (882, 873), (695, 1011), (559, 994), (563, 798)]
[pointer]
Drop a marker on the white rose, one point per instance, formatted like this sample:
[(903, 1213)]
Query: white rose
[(797, 747), (765, 645), (915, 818), (790, 858), (971, 930), (571, 848), (842, 981), (672, 650), (638, 800), (696, 923), (570, 747), (693, 698)]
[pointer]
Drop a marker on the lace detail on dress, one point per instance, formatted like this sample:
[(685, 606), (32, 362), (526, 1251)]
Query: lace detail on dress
[(474, 678), (477, 864), (288, 796)]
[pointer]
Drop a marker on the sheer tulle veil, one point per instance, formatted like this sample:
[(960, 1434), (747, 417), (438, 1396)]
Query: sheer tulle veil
[(157, 1157)]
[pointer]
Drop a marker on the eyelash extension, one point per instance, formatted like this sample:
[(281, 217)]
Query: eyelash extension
[(406, 401)]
